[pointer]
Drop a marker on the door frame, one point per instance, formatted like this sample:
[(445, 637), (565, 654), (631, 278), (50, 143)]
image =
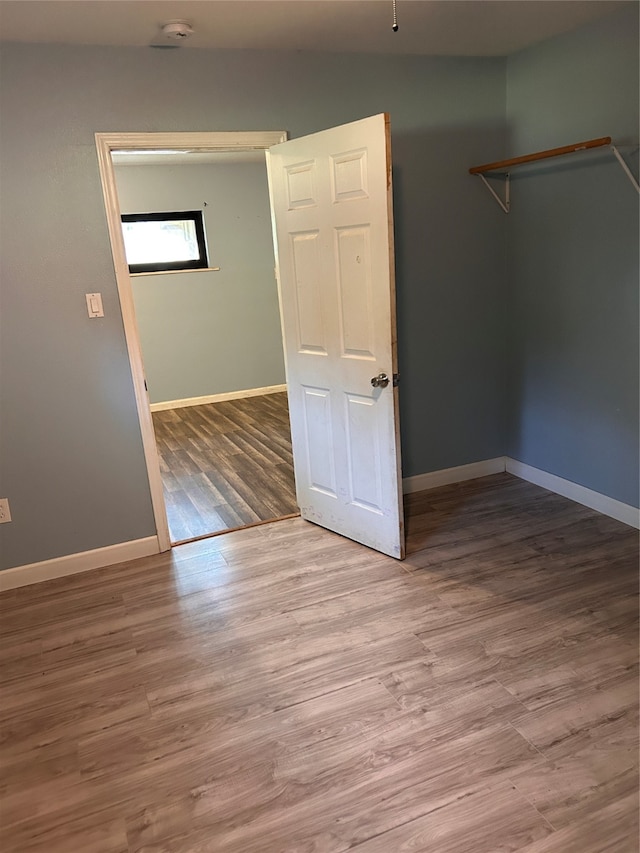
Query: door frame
[(105, 144)]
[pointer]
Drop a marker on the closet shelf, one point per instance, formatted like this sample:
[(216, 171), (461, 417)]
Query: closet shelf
[(500, 168)]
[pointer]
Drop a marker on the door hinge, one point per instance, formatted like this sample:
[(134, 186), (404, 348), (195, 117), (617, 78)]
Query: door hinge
[(396, 380)]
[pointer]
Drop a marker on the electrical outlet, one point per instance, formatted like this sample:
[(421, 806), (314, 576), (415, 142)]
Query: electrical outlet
[(5, 514)]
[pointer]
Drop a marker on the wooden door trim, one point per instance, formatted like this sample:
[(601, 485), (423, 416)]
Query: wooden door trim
[(105, 144)]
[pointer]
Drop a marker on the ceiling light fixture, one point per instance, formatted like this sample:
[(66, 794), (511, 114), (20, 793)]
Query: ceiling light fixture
[(176, 31)]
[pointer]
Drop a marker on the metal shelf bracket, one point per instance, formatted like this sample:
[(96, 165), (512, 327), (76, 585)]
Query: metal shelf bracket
[(626, 169), (506, 203)]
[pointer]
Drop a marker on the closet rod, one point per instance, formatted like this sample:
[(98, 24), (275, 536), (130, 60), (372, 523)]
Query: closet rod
[(540, 155)]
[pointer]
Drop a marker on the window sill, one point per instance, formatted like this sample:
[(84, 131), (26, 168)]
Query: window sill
[(174, 272)]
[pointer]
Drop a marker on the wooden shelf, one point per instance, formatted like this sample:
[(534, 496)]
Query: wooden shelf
[(499, 165), (501, 168)]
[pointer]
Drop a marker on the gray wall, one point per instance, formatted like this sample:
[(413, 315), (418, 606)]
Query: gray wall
[(573, 260), (71, 453), (209, 332)]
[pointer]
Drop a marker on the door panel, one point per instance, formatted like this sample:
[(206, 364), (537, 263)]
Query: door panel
[(363, 454), (301, 185), (333, 235), (349, 175), (353, 258), (319, 440), (306, 269)]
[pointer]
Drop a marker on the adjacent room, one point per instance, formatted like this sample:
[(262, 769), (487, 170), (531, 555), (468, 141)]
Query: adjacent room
[(211, 341), (284, 687)]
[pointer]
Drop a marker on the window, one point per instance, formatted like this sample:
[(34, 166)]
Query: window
[(161, 242)]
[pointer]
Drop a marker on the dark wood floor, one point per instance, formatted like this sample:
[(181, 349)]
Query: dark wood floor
[(284, 690), (225, 465)]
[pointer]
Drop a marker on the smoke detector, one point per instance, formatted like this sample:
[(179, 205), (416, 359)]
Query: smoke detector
[(176, 31)]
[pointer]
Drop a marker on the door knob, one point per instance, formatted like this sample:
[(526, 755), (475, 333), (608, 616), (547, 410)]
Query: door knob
[(380, 381)]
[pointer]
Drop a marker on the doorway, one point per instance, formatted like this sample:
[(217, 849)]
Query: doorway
[(217, 503), (210, 336), (332, 220)]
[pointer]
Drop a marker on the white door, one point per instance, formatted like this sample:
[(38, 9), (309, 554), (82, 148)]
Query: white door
[(333, 233)]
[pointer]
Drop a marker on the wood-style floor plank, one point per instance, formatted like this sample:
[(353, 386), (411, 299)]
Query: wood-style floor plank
[(225, 465), (281, 689)]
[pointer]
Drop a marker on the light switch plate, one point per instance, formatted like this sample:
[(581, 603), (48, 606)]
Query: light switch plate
[(94, 304), (5, 512)]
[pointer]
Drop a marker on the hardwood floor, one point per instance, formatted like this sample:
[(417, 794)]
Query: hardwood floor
[(225, 465), (284, 690)]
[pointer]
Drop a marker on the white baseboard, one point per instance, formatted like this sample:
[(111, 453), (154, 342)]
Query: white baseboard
[(459, 474), (216, 398), (123, 551), (580, 494), (74, 563)]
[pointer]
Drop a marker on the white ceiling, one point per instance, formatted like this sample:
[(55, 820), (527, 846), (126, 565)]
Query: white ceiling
[(428, 27)]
